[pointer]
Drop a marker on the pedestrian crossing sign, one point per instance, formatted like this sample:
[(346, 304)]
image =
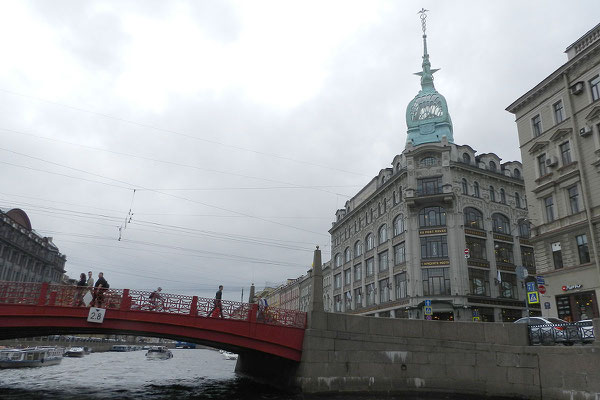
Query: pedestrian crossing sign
[(533, 297), (428, 311)]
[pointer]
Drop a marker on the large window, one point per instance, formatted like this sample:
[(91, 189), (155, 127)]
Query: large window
[(595, 87), (557, 255), (524, 228), (465, 186), (476, 247), (348, 300), (399, 253), (527, 258), (348, 276), (549, 207), (383, 261), (370, 242), (398, 225), (492, 194), (542, 164), (504, 252), (370, 266), (500, 224), (428, 162), (559, 111), (517, 200), (384, 290), (401, 286), (565, 153), (573, 199), (347, 255), (382, 236), (432, 216), (502, 196), (582, 249), (536, 125), (434, 247), (436, 281), (473, 218), (358, 296), (337, 281), (337, 303), (479, 281), (357, 272), (427, 186), (357, 249), (508, 285), (476, 189), (338, 260), (370, 294)]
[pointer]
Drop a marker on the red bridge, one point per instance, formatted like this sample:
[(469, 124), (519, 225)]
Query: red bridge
[(40, 309)]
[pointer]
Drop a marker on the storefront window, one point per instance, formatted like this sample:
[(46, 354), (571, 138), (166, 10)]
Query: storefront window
[(511, 315), (508, 286), (479, 281)]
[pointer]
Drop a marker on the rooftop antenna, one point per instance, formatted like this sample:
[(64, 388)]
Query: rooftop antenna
[(128, 218)]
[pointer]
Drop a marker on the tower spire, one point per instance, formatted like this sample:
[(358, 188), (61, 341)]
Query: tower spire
[(427, 73)]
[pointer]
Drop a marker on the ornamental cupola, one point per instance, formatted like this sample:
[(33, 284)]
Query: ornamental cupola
[(427, 117)]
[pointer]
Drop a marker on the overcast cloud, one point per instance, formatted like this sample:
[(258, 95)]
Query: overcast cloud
[(242, 126)]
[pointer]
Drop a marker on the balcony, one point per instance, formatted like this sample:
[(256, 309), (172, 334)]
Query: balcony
[(429, 195)]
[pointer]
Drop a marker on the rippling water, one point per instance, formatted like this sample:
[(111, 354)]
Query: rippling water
[(190, 374)]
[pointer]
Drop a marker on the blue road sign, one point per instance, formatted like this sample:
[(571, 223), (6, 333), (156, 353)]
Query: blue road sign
[(531, 286), (427, 303), (428, 311), (475, 313), (540, 280), (533, 297)]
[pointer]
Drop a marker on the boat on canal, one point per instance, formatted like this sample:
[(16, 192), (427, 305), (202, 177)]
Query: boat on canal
[(230, 356), (75, 352), (30, 357), (159, 353), (121, 348)]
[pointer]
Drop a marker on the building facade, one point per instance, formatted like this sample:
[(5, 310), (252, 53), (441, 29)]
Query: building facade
[(558, 123), (26, 256), (399, 246)]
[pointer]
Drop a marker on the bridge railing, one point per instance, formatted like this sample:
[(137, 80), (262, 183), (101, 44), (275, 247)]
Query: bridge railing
[(44, 294)]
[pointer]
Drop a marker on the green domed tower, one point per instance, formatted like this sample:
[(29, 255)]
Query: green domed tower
[(427, 115)]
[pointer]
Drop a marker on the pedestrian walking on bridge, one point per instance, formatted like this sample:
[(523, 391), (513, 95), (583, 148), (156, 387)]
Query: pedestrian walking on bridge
[(217, 302)]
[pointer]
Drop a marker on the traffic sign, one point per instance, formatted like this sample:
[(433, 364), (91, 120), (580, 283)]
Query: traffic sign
[(428, 317), (540, 280), (96, 315), (475, 313), (467, 253), (427, 303), (428, 311), (533, 298), (531, 286), (542, 289), (547, 305), (475, 319), (522, 272)]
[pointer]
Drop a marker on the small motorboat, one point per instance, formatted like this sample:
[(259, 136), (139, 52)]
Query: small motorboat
[(75, 352), (230, 356), (159, 353), (30, 357)]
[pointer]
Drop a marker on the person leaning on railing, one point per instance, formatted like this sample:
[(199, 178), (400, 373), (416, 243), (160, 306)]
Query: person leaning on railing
[(99, 288), (80, 291)]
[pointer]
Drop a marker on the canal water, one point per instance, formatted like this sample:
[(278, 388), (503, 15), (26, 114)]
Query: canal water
[(190, 374)]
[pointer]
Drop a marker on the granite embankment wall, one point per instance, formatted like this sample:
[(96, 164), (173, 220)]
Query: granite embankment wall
[(346, 353)]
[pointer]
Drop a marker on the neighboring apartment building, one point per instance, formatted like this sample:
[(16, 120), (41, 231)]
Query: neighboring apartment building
[(400, 242), (558, 122), (26, 256)]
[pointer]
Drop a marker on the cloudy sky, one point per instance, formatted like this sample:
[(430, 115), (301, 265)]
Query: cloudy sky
[(217, 139)]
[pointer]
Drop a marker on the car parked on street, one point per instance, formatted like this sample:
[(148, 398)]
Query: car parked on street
[(549, 331)]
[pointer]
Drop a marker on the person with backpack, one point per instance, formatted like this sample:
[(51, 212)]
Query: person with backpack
[(100, 287)]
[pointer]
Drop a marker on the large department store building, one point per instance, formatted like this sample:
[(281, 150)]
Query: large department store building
[(558, 123), (400, 242)]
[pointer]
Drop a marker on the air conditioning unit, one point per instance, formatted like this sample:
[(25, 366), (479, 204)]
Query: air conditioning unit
[(577, 88), (585, 131), (551, 161)]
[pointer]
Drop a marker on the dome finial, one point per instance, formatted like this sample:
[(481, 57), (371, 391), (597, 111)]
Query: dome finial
[(427, 73)]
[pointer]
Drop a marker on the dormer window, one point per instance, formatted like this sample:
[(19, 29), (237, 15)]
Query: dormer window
[(428, 162), (466, 158), (517, 173), (492, 166)]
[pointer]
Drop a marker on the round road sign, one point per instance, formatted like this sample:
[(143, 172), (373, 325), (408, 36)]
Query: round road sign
[(542, 289)]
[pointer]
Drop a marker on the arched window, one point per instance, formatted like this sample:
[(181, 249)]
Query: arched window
[(428, 161), (357, 249), (502, 196), (398, 225), (517, 173), (500, 224), (466, 158), (524, 229), (517, 200), (492, 166), (370, 242), (465, 186), (473, 218), (382, 236), (347, 254), (432, 216), (476, 189), (492, 194), (338, 260)]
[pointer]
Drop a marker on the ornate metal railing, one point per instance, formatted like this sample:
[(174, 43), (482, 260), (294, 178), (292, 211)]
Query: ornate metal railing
[(44, 294), (567, 334)]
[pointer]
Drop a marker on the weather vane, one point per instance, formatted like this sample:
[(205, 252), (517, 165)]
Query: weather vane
[(423, 18)]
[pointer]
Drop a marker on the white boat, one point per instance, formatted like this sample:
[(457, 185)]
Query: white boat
[(159, 353), (230, 356), (75, 352), (120, 348), (30, 357)]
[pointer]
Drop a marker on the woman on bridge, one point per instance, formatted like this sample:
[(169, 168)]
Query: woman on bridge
[(80, 291)]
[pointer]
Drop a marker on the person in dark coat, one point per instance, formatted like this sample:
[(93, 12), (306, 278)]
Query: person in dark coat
[(99, 288), (217, 302), (80, 291)]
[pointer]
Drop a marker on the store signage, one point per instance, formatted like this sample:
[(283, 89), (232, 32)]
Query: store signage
[(483, 264), (473, 232), (505, 238), (434, 263), (435, 231), (571, 287)]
